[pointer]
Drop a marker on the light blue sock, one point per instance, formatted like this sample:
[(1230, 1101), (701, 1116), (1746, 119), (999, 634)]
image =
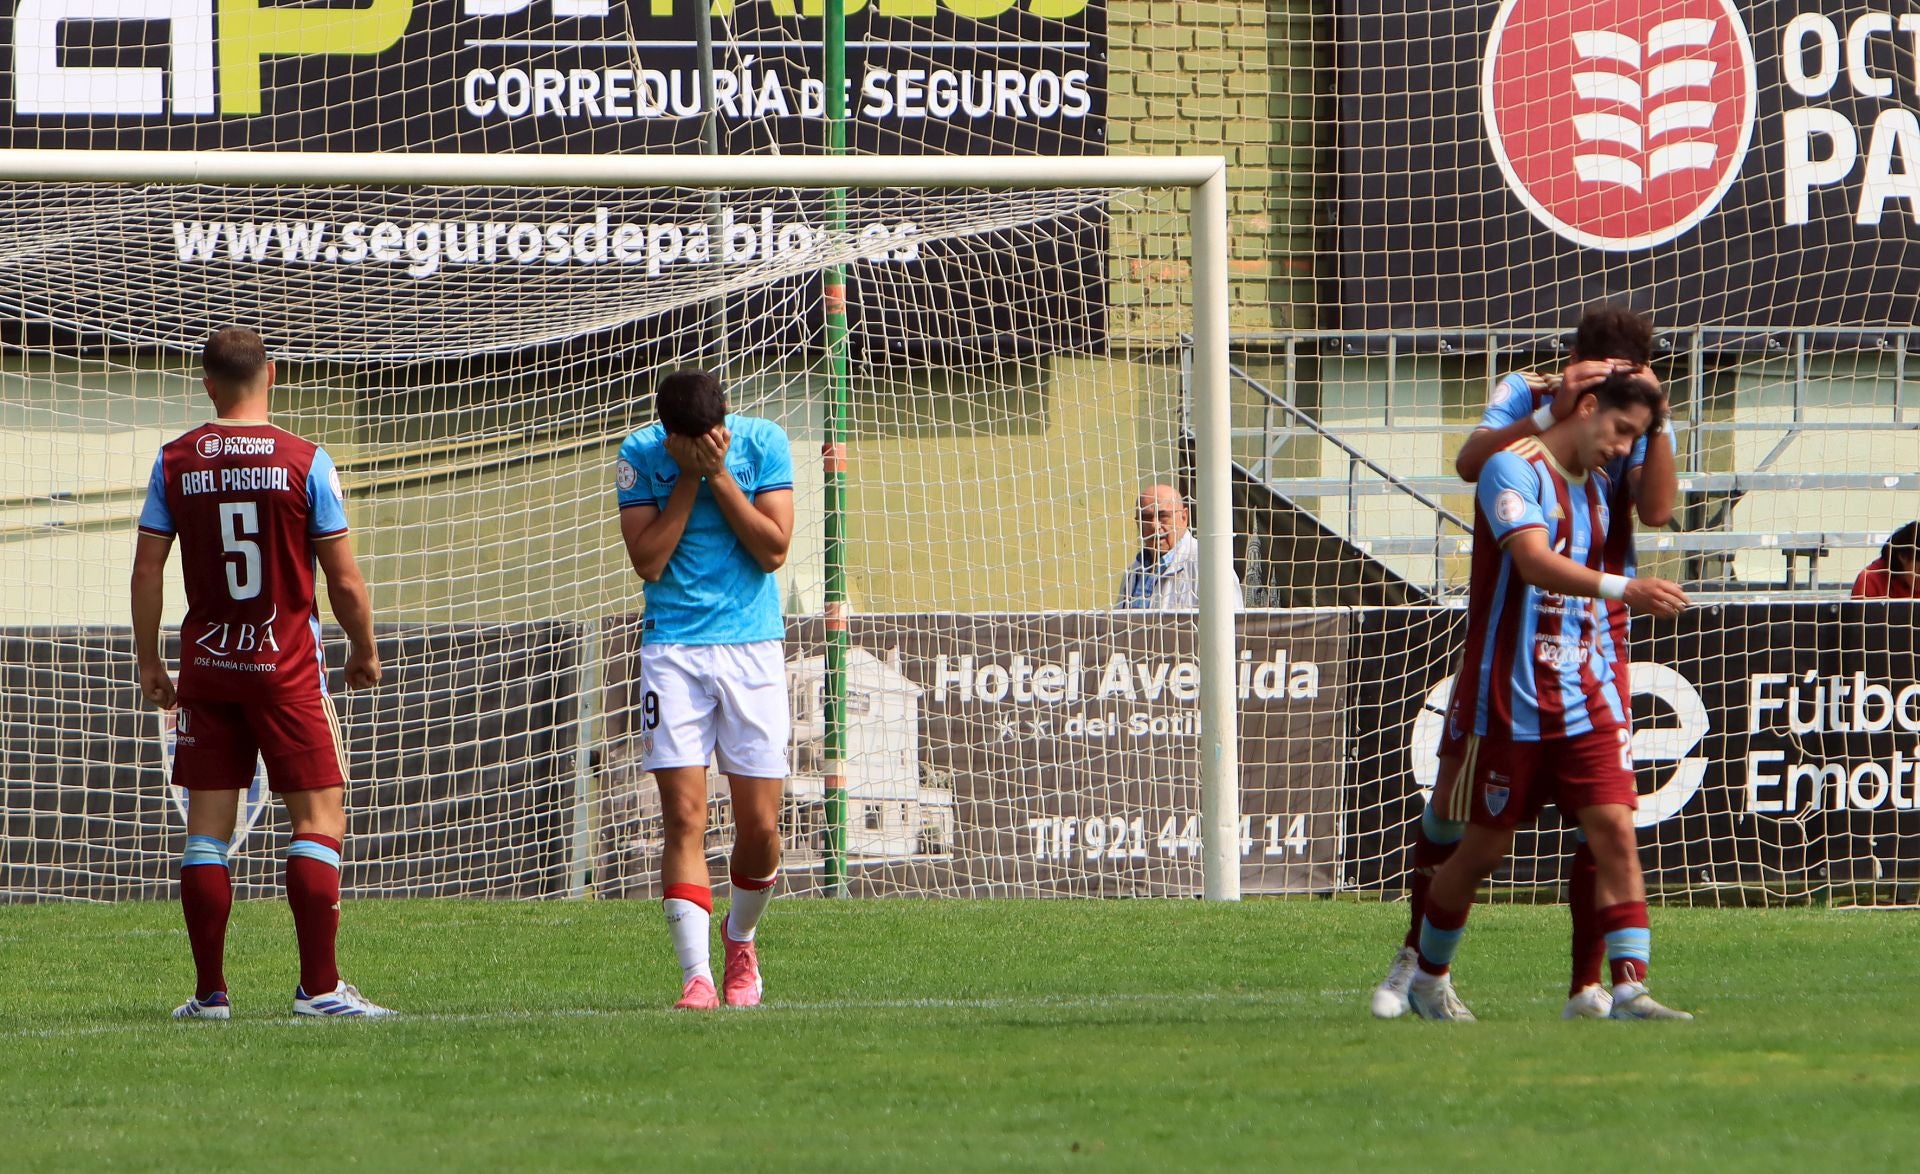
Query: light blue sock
[(1441, 831), (1438, 946), (1636, 944), (204, 850)]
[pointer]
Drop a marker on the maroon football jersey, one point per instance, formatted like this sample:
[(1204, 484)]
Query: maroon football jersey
[(247, 502)]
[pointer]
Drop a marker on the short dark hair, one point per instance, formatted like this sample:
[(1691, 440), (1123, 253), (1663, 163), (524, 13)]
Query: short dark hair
[(1905, 542), (233, 356), (1609, 330), (1623, 389), (690, 402)]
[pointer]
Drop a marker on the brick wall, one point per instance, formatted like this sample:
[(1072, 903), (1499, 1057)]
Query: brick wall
[(1239, 79)]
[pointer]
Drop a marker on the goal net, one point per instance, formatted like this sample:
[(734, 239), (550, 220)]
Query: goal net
[(1420, 201), (472, 357)]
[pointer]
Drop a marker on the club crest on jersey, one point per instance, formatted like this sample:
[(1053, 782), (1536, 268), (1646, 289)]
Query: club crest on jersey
[(209, 445), (1497, 799), (625, 475), (1509, 506)]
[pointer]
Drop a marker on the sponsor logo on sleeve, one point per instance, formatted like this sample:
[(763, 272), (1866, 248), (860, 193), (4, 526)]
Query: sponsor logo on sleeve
[(1509, 507), (625, 475)]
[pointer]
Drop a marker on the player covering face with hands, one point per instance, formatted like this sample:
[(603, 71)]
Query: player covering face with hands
[(706, 512), (1535, 717)]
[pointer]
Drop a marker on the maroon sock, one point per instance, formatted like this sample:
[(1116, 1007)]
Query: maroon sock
[(313, 891), (1589, 941), (1626, 957), (1446, 925), (1427, 859), (206, 897)]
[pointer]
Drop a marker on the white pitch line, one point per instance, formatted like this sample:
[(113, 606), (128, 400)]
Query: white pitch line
[(1045, 1002)]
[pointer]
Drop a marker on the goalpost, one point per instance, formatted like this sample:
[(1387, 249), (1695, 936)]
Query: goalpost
[(533, 297)]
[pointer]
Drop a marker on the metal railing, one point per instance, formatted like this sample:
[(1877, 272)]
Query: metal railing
[(1700, 353)]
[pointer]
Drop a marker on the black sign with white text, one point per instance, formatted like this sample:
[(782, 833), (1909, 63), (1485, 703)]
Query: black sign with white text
[(947, 77), (582, 76), (1776, 745), (1711, 162)]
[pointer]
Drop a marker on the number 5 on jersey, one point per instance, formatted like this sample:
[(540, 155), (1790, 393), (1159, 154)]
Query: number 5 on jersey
[(239, 526)]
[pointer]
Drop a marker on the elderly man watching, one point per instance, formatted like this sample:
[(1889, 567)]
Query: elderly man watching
[(1166, 573)]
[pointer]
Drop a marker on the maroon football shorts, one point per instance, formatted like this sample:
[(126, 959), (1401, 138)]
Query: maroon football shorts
[(1500, 784), (296, 735)]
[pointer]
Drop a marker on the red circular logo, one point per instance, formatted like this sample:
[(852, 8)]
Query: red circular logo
[(1620, 125), (209, 445)]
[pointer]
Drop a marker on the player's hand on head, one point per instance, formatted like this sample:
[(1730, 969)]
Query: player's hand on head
[(1577, 380), (1655, 597), (363, 668), (156, 685)]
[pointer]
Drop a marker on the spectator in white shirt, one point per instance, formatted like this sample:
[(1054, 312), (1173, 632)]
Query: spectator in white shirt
[(1166, 573)]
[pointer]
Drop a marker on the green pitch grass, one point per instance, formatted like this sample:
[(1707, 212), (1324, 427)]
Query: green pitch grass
[(949, 1034)]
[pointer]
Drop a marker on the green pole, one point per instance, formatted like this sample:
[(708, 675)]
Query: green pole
[(834, 299)]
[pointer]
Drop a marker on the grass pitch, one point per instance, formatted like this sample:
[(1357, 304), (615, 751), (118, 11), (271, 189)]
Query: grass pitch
[(952, 1034)]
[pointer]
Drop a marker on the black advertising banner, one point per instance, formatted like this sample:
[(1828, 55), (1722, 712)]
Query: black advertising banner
[(1005, 754), (968, 77), (1712, 162), (463, 769), (960, 77), (1776, 745), (1402, 661)]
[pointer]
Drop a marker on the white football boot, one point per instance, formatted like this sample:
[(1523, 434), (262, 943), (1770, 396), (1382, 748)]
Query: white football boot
[(1631, 1001), (343, 1001), (214, 1006), (1434, 999), (1390, 997), (1592, 1002)]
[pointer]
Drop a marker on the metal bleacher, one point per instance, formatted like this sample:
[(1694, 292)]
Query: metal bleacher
[(1798, 451)]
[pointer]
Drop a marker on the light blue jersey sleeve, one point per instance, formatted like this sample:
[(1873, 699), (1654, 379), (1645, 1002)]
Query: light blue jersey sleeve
[(1512, 402), (772, 458), (326, 504), (633, 472), (155, 517), (1509, 493)]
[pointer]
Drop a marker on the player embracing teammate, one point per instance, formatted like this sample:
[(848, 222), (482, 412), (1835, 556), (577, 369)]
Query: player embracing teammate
[(254, 507), (1541, 710), (706, 512)]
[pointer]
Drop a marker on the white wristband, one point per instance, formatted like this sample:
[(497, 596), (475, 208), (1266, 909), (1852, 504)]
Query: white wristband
[(1543, 417), (1613, 586)]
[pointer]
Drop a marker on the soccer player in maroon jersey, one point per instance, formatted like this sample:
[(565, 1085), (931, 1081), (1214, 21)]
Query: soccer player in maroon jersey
[(254, 508), (1609, 337), (1534, 703)]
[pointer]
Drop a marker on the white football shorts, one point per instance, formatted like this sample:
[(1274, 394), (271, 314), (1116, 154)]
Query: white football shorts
[(715, 702)]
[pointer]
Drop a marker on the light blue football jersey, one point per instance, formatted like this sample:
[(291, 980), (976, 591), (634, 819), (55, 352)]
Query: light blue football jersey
[(712, 592), (1515, 399)]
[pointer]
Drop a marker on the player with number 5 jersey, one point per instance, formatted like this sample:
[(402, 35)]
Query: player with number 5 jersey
[(254, 508), (706, 512)]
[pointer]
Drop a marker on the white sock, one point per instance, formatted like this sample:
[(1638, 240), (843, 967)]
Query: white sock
[(748, 904), (689, 924)]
